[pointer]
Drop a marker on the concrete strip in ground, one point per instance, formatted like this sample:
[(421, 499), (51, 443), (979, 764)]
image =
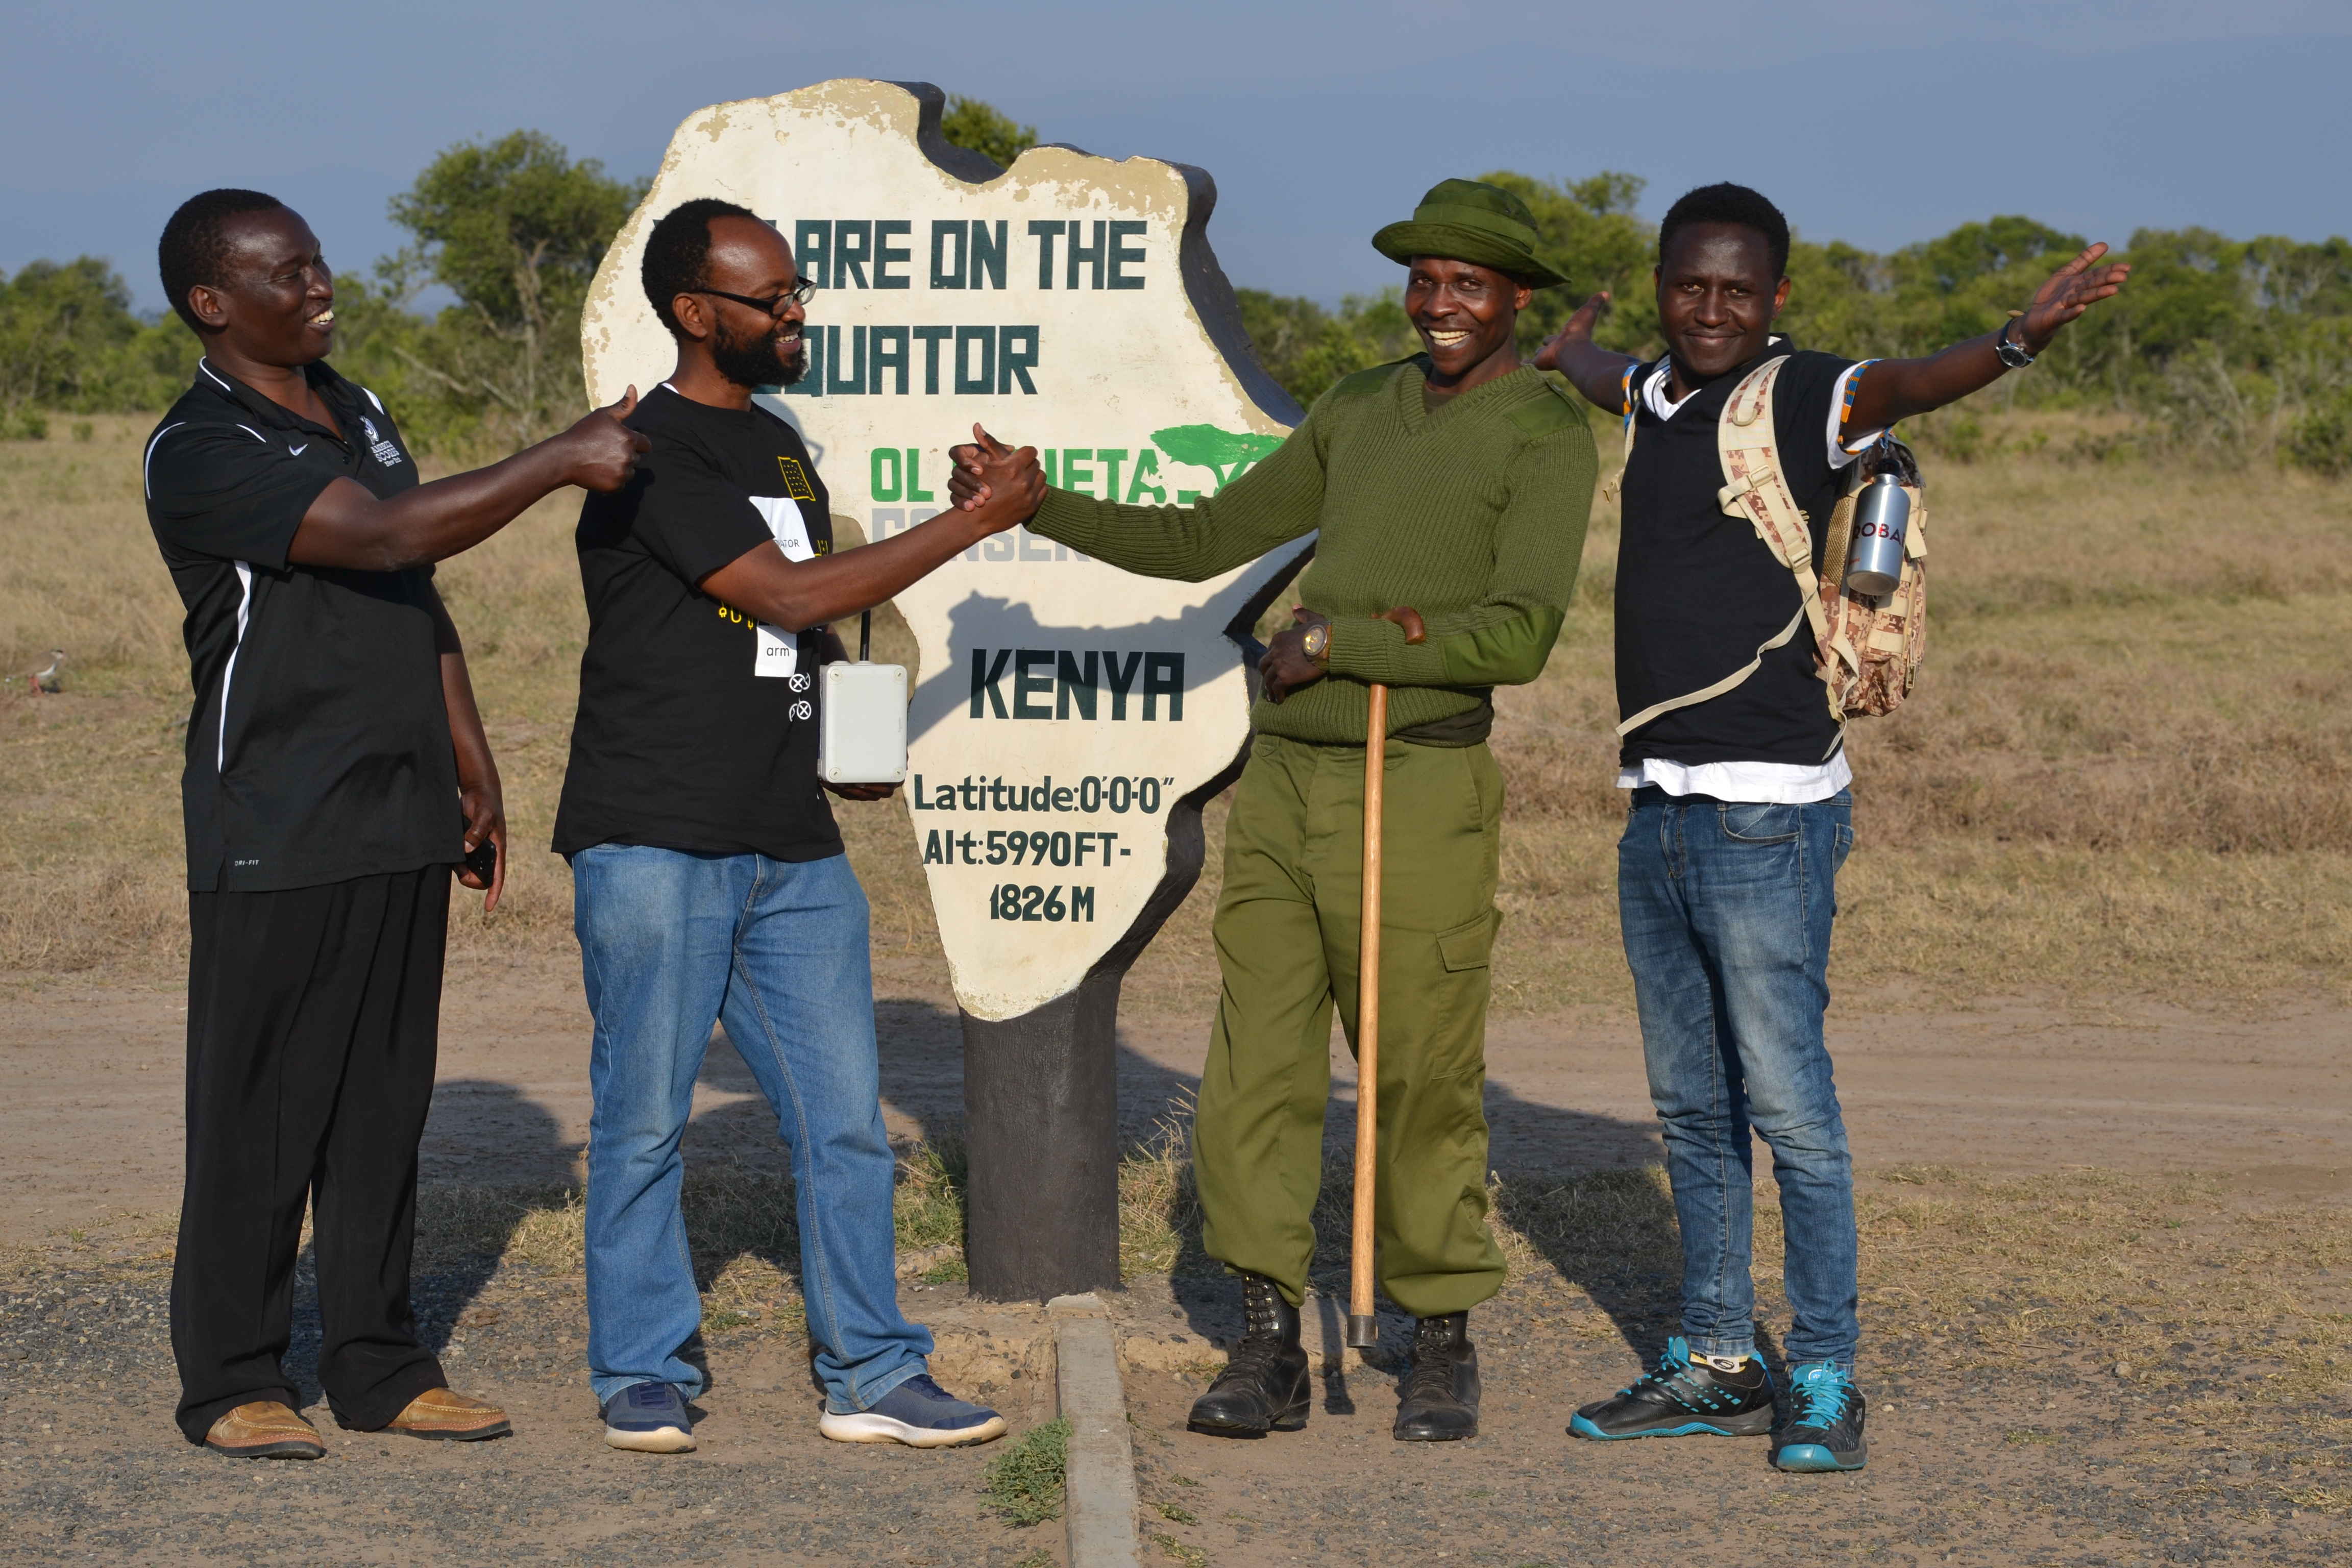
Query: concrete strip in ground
[(1098, 1489)]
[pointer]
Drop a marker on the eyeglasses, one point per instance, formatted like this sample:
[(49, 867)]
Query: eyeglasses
[(797, 294)]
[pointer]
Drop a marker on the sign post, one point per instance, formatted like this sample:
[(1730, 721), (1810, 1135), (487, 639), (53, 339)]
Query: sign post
[(1069, 719)]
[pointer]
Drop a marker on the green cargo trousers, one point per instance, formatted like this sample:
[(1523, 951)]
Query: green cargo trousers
[(1287, 942)]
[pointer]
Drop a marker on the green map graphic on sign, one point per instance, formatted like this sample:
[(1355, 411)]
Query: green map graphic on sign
[(1225, 453)]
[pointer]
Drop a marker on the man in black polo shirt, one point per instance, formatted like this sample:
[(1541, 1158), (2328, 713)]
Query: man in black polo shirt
[(336, 772), (709, 880), (1728, 873)]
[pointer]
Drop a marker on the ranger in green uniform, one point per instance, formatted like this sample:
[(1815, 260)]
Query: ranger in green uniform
[(1457, 483)]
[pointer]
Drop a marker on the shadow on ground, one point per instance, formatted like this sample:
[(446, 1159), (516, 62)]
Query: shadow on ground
[(1578, 1186), (1547, 1155), (447, 1281)]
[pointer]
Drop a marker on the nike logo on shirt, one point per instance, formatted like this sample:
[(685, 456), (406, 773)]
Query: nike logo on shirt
[(297, 451)]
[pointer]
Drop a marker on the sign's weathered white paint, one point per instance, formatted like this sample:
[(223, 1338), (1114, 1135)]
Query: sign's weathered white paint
[(1064, 708)]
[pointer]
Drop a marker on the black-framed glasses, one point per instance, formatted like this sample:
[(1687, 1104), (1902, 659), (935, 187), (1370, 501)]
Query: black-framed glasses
[(797, 294)]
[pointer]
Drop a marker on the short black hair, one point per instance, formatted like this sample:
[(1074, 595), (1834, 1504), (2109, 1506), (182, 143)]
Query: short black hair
[(194, 247), (678, 252), (1727, 203)]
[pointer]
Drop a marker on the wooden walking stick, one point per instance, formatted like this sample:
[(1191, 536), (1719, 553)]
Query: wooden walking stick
[(1363, 1324)]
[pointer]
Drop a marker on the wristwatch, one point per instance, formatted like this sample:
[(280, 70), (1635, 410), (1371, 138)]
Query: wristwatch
[(1316, 644), (2012, 352)]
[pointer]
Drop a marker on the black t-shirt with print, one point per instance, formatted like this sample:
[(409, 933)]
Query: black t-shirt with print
[(1699, 592), (697, 728), (318, 745)]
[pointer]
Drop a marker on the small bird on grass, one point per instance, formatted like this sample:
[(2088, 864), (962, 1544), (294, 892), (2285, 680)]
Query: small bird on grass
[(51, 680)]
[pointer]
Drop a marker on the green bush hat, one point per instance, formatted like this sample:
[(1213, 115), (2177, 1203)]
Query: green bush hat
[(1467, 220)]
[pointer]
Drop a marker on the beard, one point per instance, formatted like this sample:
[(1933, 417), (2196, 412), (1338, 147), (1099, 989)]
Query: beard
[(756, 361)]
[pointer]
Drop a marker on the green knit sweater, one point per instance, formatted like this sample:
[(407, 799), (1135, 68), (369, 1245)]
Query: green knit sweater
[(1472, 514)]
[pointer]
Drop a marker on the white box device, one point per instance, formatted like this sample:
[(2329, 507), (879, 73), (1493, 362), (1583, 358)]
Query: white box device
[(862, 723)]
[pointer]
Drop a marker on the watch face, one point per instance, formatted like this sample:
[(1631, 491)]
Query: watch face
[(1316, 640)]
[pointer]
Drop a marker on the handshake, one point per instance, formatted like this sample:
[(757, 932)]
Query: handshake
[(1004, 486), (991, 477)]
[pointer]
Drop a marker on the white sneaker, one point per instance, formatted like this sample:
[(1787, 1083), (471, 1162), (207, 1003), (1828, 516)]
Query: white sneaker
[(917, 1413)]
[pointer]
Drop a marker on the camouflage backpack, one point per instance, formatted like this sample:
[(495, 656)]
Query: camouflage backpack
[(1868, 649)]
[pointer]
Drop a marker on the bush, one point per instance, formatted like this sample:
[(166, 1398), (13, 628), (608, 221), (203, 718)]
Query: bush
[(1962, 438), (2321, 440)]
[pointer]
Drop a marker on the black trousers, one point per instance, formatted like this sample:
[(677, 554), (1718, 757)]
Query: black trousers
[(313, 1017)]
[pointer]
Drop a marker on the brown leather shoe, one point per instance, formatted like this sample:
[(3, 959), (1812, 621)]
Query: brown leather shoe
[(265, 1429), (444, 1416)]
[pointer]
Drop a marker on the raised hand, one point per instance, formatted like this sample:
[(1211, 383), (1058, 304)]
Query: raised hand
[(1578, 331), (601, 453), (2071, 290), (987, 474)]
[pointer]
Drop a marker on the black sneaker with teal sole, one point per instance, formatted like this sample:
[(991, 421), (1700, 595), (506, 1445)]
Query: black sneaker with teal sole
[(1683, 1398), (1824, 1430)]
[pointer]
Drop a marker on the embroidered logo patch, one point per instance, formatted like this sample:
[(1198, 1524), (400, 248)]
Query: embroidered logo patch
[(385, 452), (796, 479)]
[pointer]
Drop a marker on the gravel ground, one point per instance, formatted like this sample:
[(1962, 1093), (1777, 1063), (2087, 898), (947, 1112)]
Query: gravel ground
[(2058, 1462), (2053, 1458), (92, 1471)]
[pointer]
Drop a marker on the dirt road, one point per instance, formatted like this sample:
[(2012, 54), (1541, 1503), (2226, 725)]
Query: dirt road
[(91, 1076), (2002, 1431)]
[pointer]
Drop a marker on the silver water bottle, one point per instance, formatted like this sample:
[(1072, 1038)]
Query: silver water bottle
[(1881, 513)]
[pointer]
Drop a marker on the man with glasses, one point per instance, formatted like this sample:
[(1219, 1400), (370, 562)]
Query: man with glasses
[(709, 882)]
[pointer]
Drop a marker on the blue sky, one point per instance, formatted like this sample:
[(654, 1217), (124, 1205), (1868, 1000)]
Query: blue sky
[(1877, 122)]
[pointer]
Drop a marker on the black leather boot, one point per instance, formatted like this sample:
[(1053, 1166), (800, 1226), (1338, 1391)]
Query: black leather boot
[(1439, 1400), (1265, 1386)]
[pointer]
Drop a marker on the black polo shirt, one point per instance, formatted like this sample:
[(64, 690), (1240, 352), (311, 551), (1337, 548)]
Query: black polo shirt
[(319, 742)]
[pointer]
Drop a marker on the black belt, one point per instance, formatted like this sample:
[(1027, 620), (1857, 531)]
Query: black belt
[(1651, 794)]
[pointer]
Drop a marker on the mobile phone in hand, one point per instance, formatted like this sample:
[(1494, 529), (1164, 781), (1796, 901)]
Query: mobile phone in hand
[(483, 862)]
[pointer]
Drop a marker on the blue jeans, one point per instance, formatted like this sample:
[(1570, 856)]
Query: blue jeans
[(1726, 911), (670, 943)]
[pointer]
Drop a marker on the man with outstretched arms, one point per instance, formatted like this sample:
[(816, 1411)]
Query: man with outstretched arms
[(1455, 484), (1740, 814), (709, 879), (336, 773)]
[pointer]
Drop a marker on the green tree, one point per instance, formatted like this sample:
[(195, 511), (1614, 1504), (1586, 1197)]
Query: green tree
[(69, 340), (515, 227), (981, 128), (1307, 348), (1589, 231)]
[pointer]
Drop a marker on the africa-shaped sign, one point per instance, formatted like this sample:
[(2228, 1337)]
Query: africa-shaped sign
[(1068, 718)]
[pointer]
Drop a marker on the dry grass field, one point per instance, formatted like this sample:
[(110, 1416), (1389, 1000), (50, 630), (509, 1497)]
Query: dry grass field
[(2127, 771)]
